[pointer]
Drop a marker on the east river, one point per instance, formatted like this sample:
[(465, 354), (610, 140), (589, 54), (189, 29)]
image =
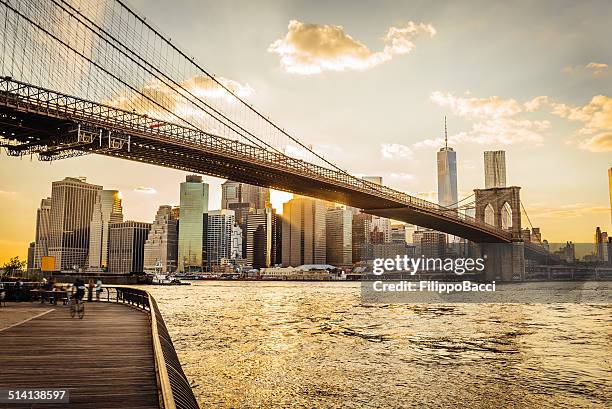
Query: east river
[(301, 344)]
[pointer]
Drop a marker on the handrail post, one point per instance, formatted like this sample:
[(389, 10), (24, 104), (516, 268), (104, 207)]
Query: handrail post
[(165, 358), (166, 399)]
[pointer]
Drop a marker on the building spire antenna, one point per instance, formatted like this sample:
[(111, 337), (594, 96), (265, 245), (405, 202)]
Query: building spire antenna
[(445, 134)]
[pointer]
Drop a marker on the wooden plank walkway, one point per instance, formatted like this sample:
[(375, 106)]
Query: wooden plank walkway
[(105, 360)]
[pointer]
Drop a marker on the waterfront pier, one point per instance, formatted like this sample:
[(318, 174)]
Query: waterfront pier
[(118, 356)]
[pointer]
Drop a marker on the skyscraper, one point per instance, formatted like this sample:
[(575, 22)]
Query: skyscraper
[(161, 247), (107, 209), (361, 236), (399, 234), (303, 232), (380, 227), (230, 193), (236, 192), (339, 240), (431, 244), (259, 238), (41, 241), (236, 246), (277, 238), (241, 213), (257, 196), (391, 250), (447, 174), (409, 229), (380, 230), (30, 263), (192, 234), (601, 246), (495, 169), (244, 199), (126, 241), (72, 204), (219, 237)]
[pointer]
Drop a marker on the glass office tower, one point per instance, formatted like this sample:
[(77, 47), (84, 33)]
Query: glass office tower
[(192, 224), (447, 174)]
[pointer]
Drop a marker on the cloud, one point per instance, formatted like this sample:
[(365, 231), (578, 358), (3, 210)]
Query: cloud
[(508, 131), (599, 143), (595, 69), (395, 150), (204, 86), (308, 49), (175, 99), (7, 194), (502, 121), (536, 103), (495, 120), (596, 117), (145, 189), (596, 66), (480, 108), (402, 176)]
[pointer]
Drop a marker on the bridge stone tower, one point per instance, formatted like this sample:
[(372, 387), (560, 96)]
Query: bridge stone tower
[(498, 200), (501, 207)]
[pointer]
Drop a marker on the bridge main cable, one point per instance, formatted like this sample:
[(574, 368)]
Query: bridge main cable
[(165, 77), (213, 78)]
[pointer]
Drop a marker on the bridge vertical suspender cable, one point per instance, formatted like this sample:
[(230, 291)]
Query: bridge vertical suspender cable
[(527, 215), (160, 73), (123, 47), (212, 77)]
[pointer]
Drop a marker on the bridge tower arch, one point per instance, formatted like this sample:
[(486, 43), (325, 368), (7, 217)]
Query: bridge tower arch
[(500, 199), (506, 217), (501, 206)]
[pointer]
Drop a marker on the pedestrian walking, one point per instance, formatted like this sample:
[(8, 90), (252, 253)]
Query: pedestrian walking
[(98, 289)]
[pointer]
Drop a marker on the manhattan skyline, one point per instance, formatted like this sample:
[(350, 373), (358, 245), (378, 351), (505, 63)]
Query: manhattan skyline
[(553, 115)]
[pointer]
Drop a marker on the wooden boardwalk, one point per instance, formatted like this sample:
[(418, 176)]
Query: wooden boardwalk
[(105, 360)]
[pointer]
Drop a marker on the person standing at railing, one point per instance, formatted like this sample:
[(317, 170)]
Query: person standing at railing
[(18, 290), (69, 291), (98, 289), (90, 287)]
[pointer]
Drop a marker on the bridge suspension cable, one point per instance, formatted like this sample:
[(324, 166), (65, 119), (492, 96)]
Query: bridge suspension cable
[(108, 52), (454, 205), (526, 215), (249, 106), (95, 64), (162, 78)]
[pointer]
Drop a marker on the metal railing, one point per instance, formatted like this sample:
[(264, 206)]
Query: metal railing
[(173, 385), (31, 98)]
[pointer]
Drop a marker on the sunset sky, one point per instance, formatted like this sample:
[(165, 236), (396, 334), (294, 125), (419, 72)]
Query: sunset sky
[(368, 85)]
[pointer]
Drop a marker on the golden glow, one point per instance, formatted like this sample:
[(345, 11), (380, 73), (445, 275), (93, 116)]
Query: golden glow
[(277, 198)]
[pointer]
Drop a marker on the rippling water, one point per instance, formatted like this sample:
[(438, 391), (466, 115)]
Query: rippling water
[(295, 344)]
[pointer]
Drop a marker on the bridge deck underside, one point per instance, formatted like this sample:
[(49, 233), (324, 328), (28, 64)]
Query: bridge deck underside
[(432, 221), (25, 127)]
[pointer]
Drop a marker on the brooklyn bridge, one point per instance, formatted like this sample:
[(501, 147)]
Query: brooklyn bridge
[(86, 77)]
